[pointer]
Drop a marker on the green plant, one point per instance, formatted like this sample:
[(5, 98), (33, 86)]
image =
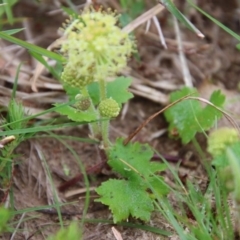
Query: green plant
[(131, 9), (224, 146), (95, 51), (205, 214), (5, 216), (6, 8), (188, 117), (213, 217), (209, 208), (15, 113), (71, 232)]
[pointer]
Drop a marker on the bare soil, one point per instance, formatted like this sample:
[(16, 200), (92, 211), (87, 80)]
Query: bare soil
[(213, 62)]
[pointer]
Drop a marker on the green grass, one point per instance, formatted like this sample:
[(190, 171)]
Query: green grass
[(205, 215)]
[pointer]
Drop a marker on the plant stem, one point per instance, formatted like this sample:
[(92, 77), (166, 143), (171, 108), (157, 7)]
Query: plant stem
[(102, 89), (104, 124), (201, 153), (94, 127)]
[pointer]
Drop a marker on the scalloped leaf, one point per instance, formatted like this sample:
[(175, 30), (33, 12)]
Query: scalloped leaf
[(209, 115), (125, 198), (74, 114), (117, 89), (188, 116), (133, 160), (131, 195)]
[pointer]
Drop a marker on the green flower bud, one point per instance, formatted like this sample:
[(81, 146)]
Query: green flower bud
[(220, 139), (83, 102), (95, 48), (109, 108)]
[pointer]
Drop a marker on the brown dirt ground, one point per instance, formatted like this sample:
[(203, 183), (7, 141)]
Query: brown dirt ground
[(213, 62)]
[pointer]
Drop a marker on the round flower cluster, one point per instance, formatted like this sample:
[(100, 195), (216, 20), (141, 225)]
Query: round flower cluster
[(220, 139), (109, 108), (94, 47)]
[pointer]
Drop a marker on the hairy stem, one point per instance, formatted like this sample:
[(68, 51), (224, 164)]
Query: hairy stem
[(105, 123), (94, 127)]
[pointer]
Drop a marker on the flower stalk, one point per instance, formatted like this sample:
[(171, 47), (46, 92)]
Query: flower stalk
[(95, 49)]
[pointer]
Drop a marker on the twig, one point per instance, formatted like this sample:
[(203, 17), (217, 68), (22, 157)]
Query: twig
[(19, 223), (185, 70), (132, 135)]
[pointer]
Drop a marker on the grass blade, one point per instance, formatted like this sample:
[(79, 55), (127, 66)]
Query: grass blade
[(7, 8), (229, 31), (174, 11), (13, 31), (32, 47)]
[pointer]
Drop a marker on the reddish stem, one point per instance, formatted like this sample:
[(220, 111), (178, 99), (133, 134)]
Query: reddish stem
[(92, 170), (98, 167)]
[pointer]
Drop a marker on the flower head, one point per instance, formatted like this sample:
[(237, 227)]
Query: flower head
[(220, 139), (109, 108), (95, 48)]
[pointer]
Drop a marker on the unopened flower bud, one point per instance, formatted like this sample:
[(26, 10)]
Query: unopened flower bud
[(109, 108)]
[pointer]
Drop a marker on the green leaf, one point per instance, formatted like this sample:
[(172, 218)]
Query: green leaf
[(133, 160), (39, 58), (209, 114), (13, 31), (176, 13), (38, 129), (5, 217), (229, 31), (125, 198), (117, 89), (188, 116), (32, 47), (125, 19), (131, 196), (72, 232), (74, 114), (7, 8), (158, 186), (181, 115), (156, 167)]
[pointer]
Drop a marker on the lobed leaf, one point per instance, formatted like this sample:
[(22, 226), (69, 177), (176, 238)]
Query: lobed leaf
[(117, 89), (131, 196), (125, 198), (188, 116), (75, 115), (133, 160)]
